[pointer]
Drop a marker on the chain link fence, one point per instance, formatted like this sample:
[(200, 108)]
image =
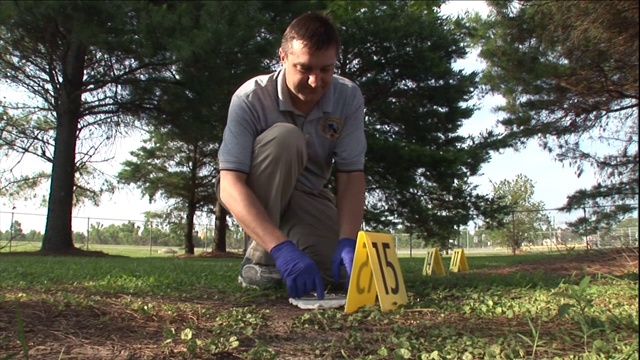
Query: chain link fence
[(24, 231), (545, 230)]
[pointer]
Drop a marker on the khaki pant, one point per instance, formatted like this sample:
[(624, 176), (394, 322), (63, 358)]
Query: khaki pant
[(308, 218)]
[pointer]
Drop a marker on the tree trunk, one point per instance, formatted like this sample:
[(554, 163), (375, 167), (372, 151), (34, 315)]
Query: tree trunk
[(189, 248), (58, 231), (220, 237)]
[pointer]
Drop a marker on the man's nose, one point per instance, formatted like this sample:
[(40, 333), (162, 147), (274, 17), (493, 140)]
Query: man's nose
[(314, 80)]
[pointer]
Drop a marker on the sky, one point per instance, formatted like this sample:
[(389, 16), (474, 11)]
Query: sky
[(553, 181)]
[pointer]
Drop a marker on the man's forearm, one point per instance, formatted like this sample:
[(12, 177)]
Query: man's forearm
[(350, 203), (247, 210)]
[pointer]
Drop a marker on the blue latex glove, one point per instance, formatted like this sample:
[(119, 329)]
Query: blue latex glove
[(301, 275), (343, 256)]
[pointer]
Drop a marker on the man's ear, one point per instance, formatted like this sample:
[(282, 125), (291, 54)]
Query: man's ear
[(282, 54)]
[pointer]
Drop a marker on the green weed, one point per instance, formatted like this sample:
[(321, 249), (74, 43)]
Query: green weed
[(20, 337)]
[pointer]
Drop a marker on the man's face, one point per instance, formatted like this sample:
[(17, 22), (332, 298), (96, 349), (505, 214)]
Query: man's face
[(308, 74)]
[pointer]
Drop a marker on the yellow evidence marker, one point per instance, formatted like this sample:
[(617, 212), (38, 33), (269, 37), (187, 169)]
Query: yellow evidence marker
[(376, 271), (433, 263), (458, 261)]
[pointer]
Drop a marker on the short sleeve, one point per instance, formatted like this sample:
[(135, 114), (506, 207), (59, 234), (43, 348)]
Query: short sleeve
[(351, 146), (239, 136)]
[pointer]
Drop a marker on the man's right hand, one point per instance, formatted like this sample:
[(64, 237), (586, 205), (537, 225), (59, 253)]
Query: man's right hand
[(300, 274)]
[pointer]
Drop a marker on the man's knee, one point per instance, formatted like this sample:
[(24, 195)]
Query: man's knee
[(282, 139)]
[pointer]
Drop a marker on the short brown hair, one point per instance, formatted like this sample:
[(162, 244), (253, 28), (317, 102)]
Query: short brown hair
[(314, 29)]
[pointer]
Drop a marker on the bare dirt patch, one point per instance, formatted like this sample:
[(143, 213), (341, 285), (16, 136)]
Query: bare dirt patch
[(614, 262), (213, 254)]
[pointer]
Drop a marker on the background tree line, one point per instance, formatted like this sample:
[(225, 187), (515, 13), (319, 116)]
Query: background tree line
[(154, 234), (568, 71), (128, 233), (96, 71)]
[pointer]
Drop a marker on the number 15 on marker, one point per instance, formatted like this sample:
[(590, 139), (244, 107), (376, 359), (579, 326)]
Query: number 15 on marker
[(375, 261)]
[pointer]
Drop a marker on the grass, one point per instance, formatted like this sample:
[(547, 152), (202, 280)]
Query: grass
[(153, 276), (167, 308)]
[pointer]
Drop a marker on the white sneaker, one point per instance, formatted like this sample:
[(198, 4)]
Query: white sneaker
[(259, 277)]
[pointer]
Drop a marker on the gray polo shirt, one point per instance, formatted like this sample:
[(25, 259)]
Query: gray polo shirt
[(334, 129)]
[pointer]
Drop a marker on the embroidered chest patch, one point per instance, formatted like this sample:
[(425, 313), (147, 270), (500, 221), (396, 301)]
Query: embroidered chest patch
[(332, 128)]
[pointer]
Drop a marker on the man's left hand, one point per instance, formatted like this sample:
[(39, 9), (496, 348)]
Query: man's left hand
[(343, 256)]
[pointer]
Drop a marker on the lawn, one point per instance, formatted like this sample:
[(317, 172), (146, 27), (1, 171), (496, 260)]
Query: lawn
[(577, 305)]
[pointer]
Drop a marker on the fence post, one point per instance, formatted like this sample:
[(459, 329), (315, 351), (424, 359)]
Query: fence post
[(204, 241), (467, 239), (584, 229), (86, 242), (513, 231), (410, 245), (11, 228), (395, 237)]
